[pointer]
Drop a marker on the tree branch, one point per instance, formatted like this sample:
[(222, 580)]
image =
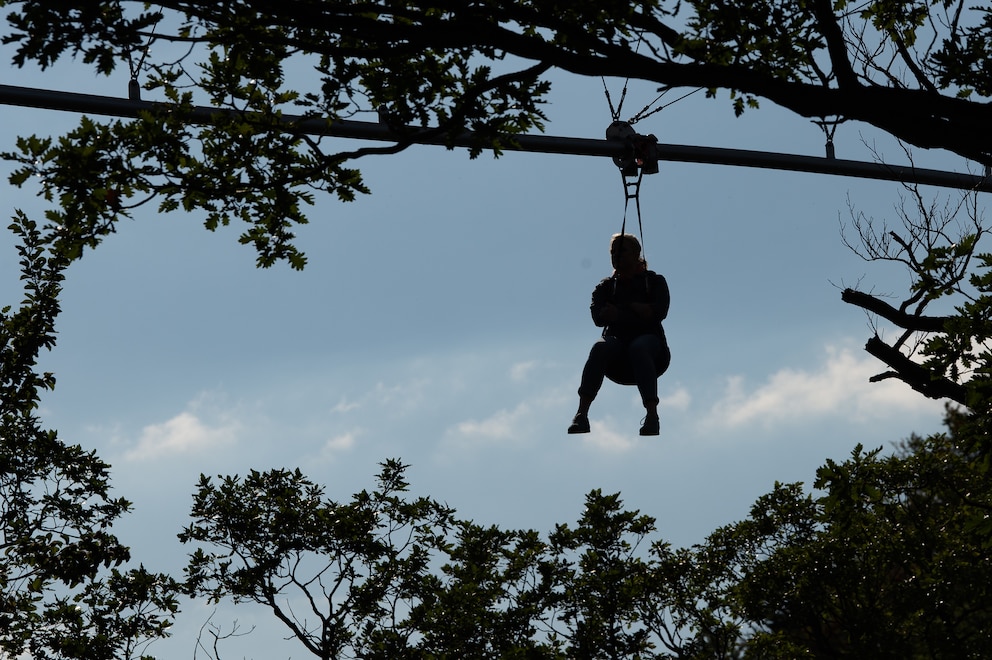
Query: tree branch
[(889, 313), (913, 67), (916, 116), (915, 375), (836, 46)]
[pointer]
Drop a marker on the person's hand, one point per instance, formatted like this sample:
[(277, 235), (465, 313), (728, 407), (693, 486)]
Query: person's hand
[(641, 309)]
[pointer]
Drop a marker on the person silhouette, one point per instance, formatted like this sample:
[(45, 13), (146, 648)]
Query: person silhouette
[(630, 306)]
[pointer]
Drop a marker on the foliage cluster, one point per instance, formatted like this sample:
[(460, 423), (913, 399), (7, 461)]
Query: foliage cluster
[(63, 593), (886, 561), (242, 88)]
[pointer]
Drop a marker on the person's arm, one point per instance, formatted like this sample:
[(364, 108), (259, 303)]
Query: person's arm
[(602, 310), (662, 298), (657, 309)]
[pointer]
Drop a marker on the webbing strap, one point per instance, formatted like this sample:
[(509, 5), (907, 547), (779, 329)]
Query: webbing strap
[(634, 185)]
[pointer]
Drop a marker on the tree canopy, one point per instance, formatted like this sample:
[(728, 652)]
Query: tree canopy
[(885, 561), (915, 70), (65, 588)]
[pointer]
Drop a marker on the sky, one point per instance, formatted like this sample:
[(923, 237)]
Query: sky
[(444, 321)]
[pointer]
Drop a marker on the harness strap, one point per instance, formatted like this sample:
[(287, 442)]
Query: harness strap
[(635, 186)]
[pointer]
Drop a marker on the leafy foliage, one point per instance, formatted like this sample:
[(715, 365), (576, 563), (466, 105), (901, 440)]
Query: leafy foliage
[(896, 570), (886, 561), (364, 562), (941, 245), (486, 600), (56, 600), (243, 88), (602, 580), (367, 572)]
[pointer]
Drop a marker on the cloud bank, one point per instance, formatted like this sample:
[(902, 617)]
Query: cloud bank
[(840, 386), (183, 434)]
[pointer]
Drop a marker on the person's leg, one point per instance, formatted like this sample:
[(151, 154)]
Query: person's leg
[(593, 373), (643, 353)]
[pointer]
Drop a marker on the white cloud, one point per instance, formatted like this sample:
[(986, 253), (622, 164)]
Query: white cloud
[(337, 445), (344, 406), (677, 400), (183, 434), (517, 425), (520, 370), (602, 436), (839, 387), (400, 398), (501, 425)]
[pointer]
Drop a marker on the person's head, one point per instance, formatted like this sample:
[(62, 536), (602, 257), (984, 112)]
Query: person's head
[(625, 254)]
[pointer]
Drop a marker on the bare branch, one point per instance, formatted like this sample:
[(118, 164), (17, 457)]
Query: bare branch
[(913, 322)]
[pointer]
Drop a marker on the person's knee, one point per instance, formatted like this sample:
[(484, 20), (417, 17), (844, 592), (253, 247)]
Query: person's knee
[(600, 353), (642, 352)]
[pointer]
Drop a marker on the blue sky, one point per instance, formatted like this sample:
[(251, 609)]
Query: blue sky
[(444, 321)]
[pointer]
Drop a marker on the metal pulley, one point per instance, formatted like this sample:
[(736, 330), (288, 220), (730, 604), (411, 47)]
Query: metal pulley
[(641, 155)]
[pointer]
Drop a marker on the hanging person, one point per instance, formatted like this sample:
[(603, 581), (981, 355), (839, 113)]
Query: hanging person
[(630, 307)]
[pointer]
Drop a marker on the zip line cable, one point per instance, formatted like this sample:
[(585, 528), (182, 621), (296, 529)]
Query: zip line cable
[(644, 114), (615, 112), (75, 102)]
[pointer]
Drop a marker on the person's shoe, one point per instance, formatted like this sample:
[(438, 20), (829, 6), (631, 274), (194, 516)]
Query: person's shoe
[(580, 424), (651, 425)]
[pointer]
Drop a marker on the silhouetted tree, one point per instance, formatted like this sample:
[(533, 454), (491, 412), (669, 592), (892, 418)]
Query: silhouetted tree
[(915, 70), (895, 566), (57, 597), (884, 560)]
